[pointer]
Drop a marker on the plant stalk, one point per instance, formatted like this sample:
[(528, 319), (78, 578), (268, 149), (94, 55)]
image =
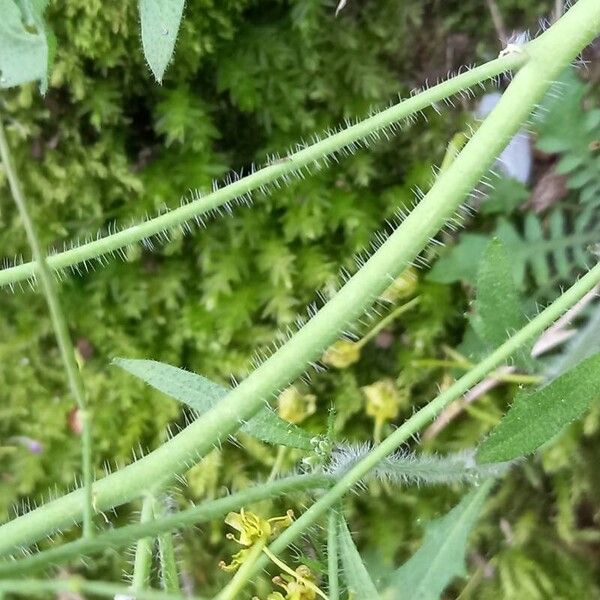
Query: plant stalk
[(61, 330), (544, 59), (290, 165), (431, 410), (123, 536)]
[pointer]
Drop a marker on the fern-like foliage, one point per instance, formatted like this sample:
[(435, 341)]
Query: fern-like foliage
[(569, 131), (546, 251)]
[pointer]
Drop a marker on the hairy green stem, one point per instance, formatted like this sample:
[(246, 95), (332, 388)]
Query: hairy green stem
[(74, 585), (431, 410), (289, 165), (143, 550), (61, 330), (387, 320), (166, 553), (117, 538), (547, 56), (332, 556)]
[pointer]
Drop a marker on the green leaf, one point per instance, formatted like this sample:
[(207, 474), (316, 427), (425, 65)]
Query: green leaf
[(360, 586), (498, 309), (537, 417), (26, 49), (201, 394), (461, 261), (160, 24), (441, 557), (549, 255)]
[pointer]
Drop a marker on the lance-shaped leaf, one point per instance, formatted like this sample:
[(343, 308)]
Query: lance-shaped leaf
[(498, 310), (360, 586), (201, 394), (26, 45), (537, 417), (441, 557), (160, 24)]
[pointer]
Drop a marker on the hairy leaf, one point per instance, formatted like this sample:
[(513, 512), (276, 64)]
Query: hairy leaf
[(201, 394), (160, 24), (360, 586), (497, 307), (441, 557), (25, 46), (537, 417)]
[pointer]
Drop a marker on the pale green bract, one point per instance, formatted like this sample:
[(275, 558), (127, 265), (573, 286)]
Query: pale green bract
[(354, 571), (201, 394), (441, 557), (160, 21), (537, 417)]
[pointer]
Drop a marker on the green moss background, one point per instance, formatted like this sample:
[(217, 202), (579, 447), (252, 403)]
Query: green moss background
[(252, 77)]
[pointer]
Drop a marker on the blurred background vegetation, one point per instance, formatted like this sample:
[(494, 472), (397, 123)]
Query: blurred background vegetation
[(252, 77)]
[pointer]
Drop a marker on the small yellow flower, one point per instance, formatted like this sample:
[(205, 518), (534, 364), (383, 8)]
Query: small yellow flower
[(383, 401), (294, 407), (342, 354), (252, 529), (301, 587), (403, 287), (236, 561)]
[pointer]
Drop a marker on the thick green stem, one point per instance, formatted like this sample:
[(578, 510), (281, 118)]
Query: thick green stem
[(547, 56), (61, 331), (74, 585), (143, 550), (431, 410), (303, 159), (123, 536)]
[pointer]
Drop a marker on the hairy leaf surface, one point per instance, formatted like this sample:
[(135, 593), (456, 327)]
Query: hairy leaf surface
[(441, 557), (160, 24), (201, 394), (537, 417), (359, 583), (25, 46)]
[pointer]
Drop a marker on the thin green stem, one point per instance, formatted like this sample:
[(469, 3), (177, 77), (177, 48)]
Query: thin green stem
[(387, 320), (241, 578), (547, 57), (281, 452), (143, 551), (431, 410), (123, 536), (61, 331), (75, 585), (291, 164), (332, 556), (465, 365), (169, 574)]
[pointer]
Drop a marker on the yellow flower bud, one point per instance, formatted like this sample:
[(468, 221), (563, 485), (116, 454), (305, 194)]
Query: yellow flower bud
[(342, 354), (383, 402), (403, 287), (294, 406)]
